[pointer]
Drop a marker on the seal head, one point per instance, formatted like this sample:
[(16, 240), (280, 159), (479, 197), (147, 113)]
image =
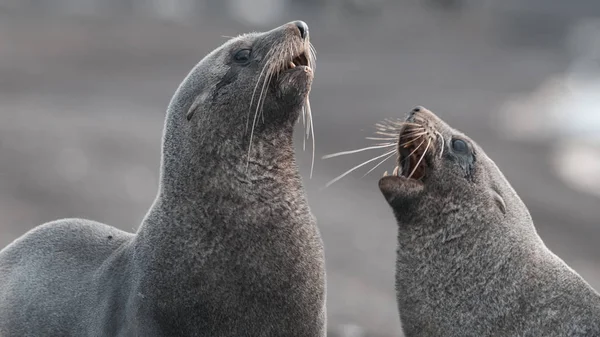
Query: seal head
[(469, 260), (438, 165), (252, 82)]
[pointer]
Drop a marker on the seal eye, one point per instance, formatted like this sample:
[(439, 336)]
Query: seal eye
[(460, 146), (242, 56)]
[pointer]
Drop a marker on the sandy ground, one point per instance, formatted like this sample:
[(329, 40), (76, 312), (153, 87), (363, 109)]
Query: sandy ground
[(82, 103)]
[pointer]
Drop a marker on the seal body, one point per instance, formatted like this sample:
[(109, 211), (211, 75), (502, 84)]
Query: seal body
[(469, 260), (229, 246)]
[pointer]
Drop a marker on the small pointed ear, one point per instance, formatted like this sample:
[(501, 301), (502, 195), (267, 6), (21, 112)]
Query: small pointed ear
[(499, 200), (197, 102)]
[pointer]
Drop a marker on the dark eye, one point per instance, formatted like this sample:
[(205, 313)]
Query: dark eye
[(242, 56), (460, 146)]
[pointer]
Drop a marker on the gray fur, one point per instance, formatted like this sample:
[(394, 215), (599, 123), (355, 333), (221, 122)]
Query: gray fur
[(469, 260), (229, 247)]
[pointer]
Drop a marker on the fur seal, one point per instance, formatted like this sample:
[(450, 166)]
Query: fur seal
[(469, 259), (229, 246)]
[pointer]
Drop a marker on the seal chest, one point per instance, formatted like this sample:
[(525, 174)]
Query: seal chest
[(229, 246), (469, 260)]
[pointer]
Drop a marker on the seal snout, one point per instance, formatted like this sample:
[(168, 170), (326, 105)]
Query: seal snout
[(302, 28)]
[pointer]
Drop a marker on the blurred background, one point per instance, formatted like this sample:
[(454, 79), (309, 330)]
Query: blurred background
[(84, 85)]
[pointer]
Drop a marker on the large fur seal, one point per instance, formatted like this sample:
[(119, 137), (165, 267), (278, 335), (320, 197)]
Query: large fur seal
[(469, 260), (229, 247)]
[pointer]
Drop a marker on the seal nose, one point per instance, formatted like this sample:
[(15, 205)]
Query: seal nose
[(303, 28), (416, 110)]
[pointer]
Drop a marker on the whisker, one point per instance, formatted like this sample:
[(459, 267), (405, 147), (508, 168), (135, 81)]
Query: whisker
[(375, 138), (304, 126), (413, 151), (308, 127), (358, 150), (263, 96), (381, 162), (266, 80), (313, 50), (358, 166), (397, 125), (412, 140), (256, 87), (386, 134), (385, 143), (443, 143), (420, 159), (410, 133), (312, 132), (402, 123)]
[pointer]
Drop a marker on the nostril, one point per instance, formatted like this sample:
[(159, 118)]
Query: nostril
[(416, 110), (303, 28)]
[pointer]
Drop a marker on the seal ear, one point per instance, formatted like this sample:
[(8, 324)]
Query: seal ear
[(192, 109), (499, 200), (197, 101)]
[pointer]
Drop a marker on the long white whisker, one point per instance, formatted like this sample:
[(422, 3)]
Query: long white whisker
[(411, 135), (401, 129), (396, 125), (256, 87), (386, 134), (308, 126), (443, 143), (413, 151), (358, 166), (358, 150), (312, 133), (267, 79), (402, 123), (413, 132), (420, 159), (263, 95), (304, 126), (375, 138), (381, 162), (412, 140)]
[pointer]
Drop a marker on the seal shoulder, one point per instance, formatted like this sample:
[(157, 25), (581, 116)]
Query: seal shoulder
[(41, 270), (79, 238)]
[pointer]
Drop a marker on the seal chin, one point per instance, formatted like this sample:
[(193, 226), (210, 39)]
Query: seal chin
[(398, 188), (297, 81), (297, 75)]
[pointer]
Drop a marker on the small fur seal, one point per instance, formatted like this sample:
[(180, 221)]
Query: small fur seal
[(229, 246), (469, 260)]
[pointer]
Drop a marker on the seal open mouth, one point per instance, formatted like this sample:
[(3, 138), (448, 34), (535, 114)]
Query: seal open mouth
[(412, 141), (411, 152), (300, 60)]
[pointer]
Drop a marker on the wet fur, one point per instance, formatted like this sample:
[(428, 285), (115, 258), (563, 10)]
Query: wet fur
[(229, 247), (469, 260)]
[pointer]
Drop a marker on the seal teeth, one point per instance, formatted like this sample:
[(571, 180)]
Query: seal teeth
[(396, 170), (292, 65), (385, 174)]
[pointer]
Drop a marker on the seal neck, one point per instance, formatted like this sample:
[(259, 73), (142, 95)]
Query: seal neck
[(207, 166)]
